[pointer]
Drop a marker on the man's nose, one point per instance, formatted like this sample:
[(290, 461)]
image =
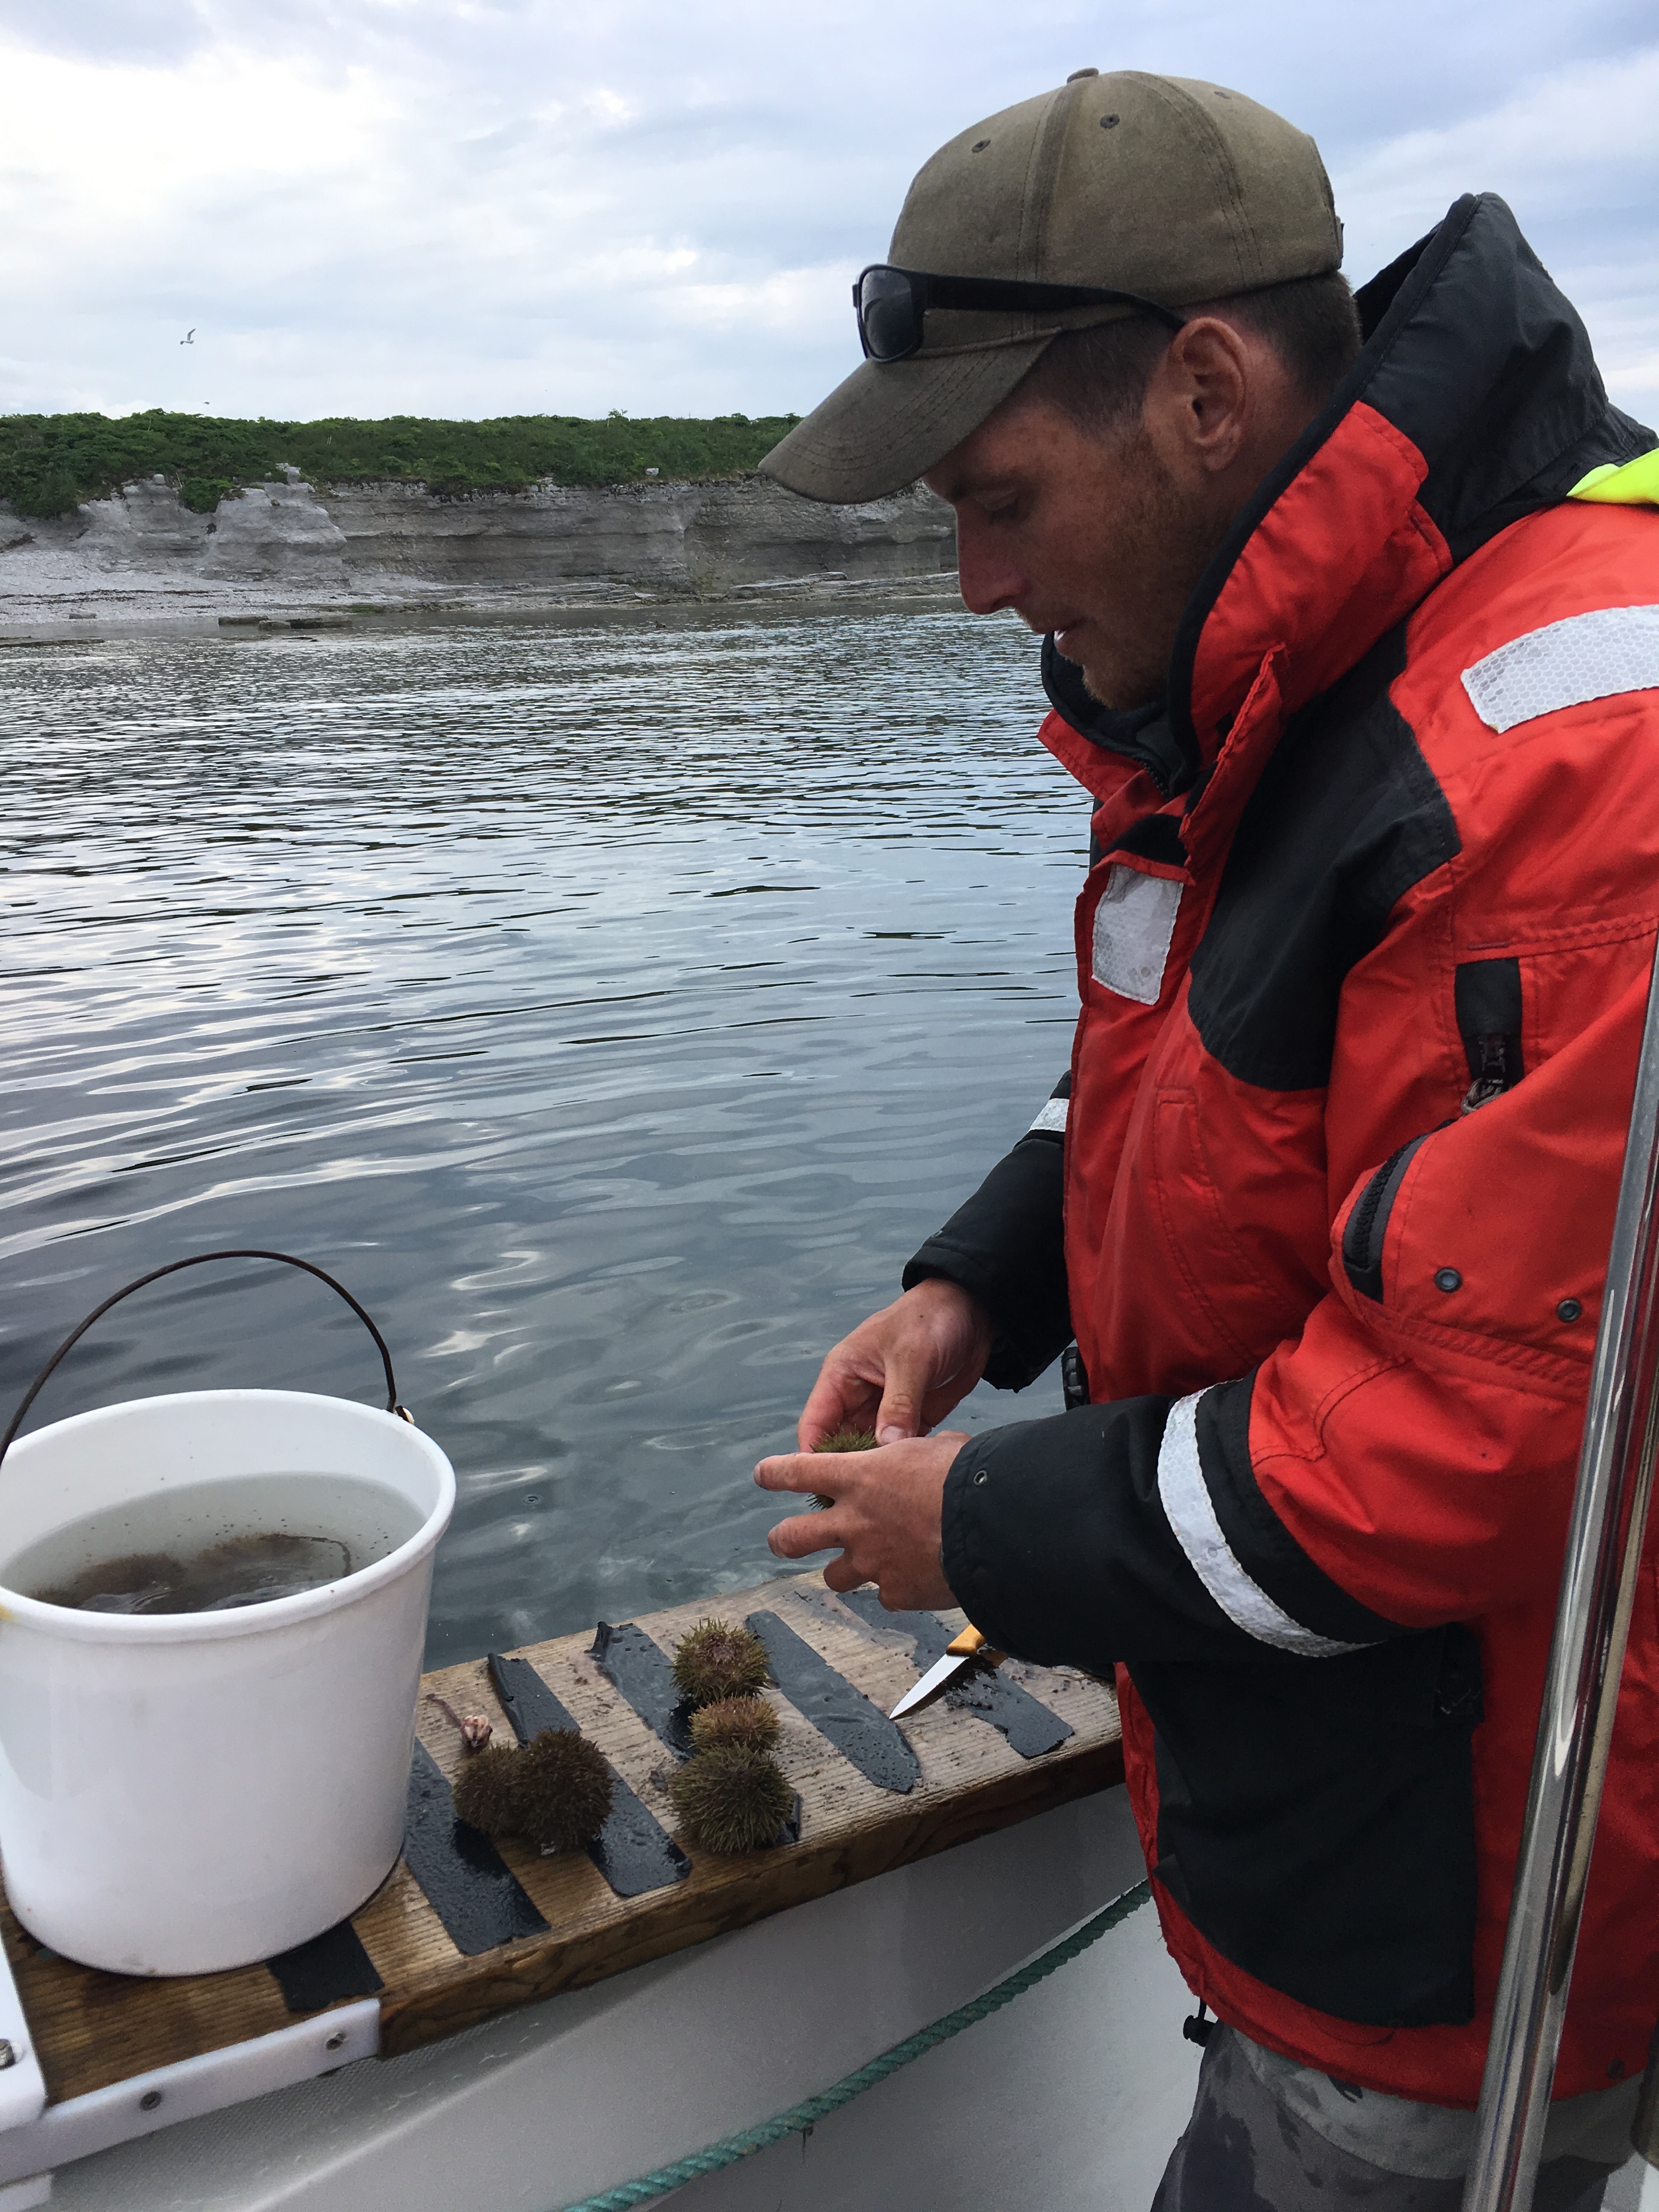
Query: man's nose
[(987, 577)]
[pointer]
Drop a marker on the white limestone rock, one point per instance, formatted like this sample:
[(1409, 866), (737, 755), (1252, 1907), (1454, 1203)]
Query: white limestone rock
[(698, 539), (296, 544), (276, 530), (144, 526)]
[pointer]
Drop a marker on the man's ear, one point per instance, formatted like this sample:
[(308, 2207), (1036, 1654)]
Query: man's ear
[(1198, 405)]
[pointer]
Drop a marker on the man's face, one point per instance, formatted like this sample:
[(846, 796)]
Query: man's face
[(1084, 532)]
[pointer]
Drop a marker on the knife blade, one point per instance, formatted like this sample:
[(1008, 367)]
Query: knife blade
[(967, 1651)]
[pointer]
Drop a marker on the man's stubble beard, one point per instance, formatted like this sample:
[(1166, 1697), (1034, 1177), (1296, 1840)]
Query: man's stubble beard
[(1166, 540)]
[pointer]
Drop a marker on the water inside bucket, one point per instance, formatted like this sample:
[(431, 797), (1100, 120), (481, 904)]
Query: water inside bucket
[(213, 1546)]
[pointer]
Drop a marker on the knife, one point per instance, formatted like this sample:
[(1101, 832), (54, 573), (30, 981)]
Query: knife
[(968, 1650)]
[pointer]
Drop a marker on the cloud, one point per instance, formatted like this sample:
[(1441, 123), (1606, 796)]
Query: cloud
[(1575, 153), (491, 206), (1560, 142)]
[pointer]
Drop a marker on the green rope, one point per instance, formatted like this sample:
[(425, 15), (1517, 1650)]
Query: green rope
[(798, 2116)]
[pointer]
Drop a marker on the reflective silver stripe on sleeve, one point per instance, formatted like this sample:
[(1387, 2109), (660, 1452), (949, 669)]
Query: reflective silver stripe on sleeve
[(1191, 1514), (1053, 1116), (1567, 664)]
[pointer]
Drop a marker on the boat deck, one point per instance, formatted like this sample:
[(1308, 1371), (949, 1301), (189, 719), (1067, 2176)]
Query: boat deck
[(462, 1929)]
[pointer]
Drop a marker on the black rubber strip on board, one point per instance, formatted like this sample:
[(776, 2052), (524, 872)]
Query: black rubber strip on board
[(331, 1966), (644, 1675), (843, 1716), (467, 1882), (632, 1852), (529, 1704), (1027, 1722)]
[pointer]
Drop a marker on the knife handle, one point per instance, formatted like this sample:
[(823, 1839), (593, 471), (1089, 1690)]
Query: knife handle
[(972, 1644)]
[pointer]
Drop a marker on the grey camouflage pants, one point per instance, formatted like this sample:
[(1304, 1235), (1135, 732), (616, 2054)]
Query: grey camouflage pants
[(1245, 2150)]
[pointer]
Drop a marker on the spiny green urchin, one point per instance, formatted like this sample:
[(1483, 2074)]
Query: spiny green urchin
[(713, 1660), (731, 1800), (562, 1798), (748, 1722), (486, 1792), (842, 1440)]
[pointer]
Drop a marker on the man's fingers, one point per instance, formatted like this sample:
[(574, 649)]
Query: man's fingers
[(838, 1400), (915, 1370), (901, 1370), (790, 1471), (806, 1533), (899, 1414)]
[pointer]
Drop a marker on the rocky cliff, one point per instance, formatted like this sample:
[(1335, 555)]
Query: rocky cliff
[(301, 541)]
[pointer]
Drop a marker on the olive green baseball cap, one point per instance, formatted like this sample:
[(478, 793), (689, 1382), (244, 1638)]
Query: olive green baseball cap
[(1163, 186)]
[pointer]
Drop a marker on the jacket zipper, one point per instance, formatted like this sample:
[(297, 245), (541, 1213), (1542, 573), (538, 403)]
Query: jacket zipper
[(1368, 1225), (1492, 1077), (1489, 1005)]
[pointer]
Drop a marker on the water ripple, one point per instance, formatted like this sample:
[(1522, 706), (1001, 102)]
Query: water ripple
[(615, 1010)]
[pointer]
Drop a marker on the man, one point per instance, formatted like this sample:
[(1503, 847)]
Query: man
[(1352, 618)]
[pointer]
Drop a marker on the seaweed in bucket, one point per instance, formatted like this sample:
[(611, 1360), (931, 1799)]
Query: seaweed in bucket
[(215, 1546), (238, 1571)]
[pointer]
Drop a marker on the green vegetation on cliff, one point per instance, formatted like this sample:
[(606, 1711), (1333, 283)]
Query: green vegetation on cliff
[(49, 463)]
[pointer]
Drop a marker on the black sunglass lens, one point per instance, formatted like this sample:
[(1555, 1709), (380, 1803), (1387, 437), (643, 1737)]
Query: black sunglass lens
[(887, 314)]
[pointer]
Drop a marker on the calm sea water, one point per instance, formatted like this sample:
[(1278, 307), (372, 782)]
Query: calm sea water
[(614, 1010)]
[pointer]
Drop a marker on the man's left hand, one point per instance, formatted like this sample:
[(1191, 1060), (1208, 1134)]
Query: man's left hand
[(885, 1520)]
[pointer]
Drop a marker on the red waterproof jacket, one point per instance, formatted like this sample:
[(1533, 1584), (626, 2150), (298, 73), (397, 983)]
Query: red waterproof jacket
[(1362, 956)]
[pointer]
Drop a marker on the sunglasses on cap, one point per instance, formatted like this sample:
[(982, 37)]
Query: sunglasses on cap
[(891, 304)]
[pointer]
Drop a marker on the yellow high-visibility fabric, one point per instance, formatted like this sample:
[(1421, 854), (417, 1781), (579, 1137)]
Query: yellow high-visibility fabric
[(1635, 484)]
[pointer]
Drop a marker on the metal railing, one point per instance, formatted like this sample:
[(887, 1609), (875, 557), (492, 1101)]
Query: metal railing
[(1581, 1691)]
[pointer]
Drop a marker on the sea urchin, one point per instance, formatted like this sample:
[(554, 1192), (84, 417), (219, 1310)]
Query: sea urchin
[(555, 1792), (486, 1792), (564, 1790), (713, 1660), (841, 1440), (731, 1800), (748, 1722)]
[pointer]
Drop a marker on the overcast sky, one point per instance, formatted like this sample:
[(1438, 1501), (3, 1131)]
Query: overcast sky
[(451, 207)]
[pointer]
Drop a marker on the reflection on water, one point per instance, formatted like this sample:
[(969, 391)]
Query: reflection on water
[(614, 1010)]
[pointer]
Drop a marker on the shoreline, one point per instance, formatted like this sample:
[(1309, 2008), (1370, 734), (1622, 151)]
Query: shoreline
[(293, 555), (789, 598)]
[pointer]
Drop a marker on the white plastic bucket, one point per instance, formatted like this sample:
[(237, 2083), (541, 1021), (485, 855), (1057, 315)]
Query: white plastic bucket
[(184, 1792)]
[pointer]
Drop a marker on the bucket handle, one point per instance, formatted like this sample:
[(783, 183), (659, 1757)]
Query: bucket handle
[(200, 1260)]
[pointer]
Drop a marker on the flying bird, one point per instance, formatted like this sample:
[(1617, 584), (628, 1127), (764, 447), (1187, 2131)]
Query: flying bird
[(189, 338)]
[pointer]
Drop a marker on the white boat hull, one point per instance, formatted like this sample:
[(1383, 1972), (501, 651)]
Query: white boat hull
[(1067, 2100)]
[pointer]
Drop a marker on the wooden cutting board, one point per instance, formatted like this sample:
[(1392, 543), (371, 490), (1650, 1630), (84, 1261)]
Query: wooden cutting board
[(492, 1929)]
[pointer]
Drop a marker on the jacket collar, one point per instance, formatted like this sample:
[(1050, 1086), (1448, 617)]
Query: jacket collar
[(1476, 400)]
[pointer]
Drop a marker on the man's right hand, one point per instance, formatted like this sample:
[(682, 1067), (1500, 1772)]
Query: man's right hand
[(903, 1370)]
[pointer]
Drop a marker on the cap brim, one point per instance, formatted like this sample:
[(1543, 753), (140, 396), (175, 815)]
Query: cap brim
[(891, 420)]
